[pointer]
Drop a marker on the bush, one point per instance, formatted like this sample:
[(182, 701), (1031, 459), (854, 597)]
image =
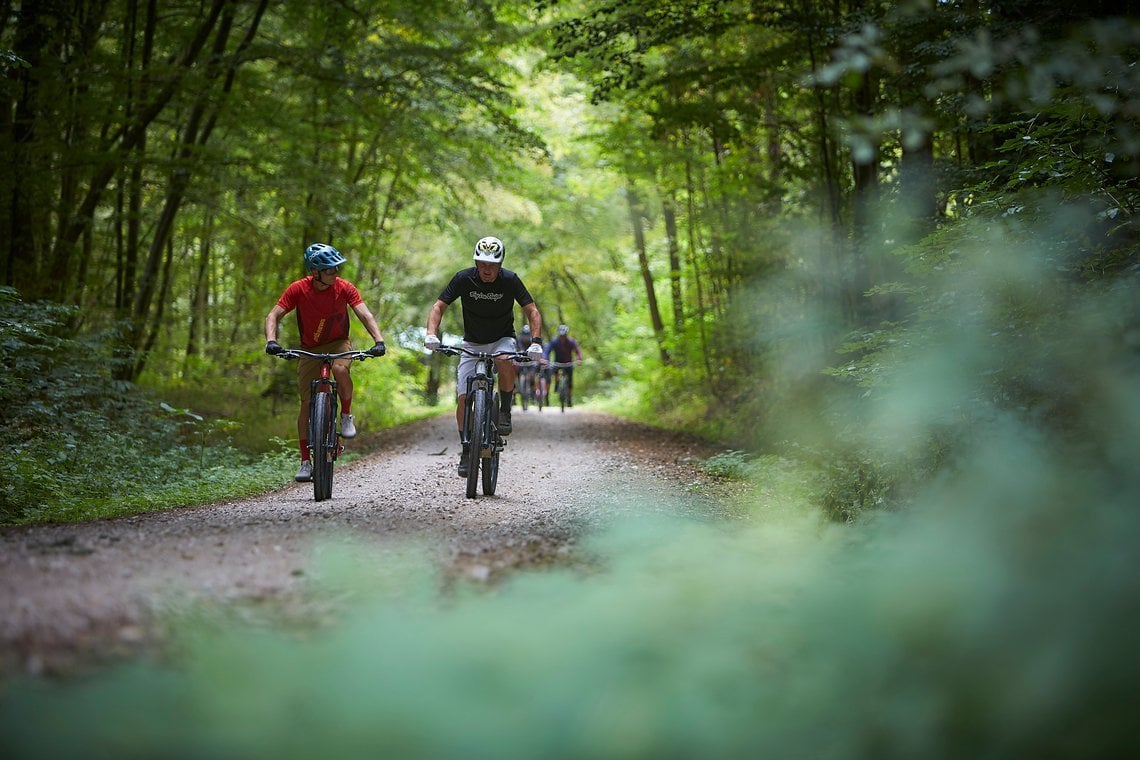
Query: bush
[(84, 445)]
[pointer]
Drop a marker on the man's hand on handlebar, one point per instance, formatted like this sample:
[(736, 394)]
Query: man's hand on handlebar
[(431, 343), (377, 350), (534, 351), (273, 348)]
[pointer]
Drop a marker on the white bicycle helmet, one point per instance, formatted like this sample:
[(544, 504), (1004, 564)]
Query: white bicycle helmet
[(490, 249)]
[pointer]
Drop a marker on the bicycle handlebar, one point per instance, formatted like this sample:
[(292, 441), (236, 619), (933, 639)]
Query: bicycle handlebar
[(297, 353), (561, 365), (457, 350)]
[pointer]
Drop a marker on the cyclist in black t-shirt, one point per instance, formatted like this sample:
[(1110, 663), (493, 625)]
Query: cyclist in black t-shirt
[(488, 294)]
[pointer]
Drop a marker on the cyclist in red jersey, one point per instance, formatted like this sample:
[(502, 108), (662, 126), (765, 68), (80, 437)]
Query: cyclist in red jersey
[(322, 300)]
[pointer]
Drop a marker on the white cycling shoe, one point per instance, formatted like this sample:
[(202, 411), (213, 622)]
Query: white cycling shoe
[(347, 426)]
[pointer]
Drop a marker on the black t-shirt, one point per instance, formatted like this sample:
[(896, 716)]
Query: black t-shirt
[(488, 307)]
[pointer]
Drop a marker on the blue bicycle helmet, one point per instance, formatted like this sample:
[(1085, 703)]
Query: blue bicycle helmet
[(322, 256)]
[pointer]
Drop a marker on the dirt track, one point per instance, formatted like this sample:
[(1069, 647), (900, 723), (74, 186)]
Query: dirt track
[(72, 594)]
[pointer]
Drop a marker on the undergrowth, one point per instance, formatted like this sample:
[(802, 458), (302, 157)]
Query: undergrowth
[(84, 445)]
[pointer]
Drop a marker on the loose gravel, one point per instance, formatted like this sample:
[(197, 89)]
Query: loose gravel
[(72, 595)]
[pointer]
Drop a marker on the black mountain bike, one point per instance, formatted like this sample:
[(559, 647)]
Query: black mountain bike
[(324, 438), (481, 419), (541, 381), (560, 379), (524, 390)]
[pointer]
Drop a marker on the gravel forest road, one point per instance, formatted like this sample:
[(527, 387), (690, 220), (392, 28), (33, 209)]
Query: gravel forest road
[(79, 593)]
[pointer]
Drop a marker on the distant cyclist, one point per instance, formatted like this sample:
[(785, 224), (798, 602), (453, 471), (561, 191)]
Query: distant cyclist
[(527, 371), (322, 300), (488, 294), (564, 350)]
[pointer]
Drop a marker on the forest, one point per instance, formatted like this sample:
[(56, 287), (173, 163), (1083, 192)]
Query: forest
[(857, 235), (883, 256)]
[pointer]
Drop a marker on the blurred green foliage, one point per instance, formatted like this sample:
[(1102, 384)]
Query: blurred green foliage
[(994, 617)]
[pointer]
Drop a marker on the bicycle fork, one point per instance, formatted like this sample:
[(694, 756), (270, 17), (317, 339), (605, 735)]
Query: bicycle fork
[(481, 433), (317, 437)]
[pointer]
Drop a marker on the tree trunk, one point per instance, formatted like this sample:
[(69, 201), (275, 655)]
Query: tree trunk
[(865, 202), (156, 324), (21, 246), (195, 136), (636, 215), (73, 224), (694, 262), (670, 214), (200, 298), (126, 273), (917, 187)]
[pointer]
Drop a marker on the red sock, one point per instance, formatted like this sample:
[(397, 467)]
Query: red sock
[(304, 449), (346, 407)]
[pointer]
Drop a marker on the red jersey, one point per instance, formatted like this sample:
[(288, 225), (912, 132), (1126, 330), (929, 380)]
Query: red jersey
[(322, 315)]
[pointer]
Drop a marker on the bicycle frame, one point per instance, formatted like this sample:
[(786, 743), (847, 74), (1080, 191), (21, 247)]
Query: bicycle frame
[(524, 385), (324, 438), (480, 424), (483, 378)]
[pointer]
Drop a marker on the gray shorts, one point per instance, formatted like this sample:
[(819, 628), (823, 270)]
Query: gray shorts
[(467, 363)]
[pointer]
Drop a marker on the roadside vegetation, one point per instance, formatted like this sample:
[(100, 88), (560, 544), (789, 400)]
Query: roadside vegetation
[(886, 254), (84, 445), (940, 202)]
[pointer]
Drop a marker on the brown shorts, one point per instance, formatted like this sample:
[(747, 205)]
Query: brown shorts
[(309, 370)]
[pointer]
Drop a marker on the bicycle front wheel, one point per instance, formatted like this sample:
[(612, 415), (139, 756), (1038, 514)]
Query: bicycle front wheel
[(490, 473), (322, 440), (480, 408)]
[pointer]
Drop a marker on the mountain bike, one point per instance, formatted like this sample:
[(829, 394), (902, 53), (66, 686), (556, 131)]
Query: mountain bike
[(540, 387), (560, 380), (481, 434), (525, 386), (324, 438)]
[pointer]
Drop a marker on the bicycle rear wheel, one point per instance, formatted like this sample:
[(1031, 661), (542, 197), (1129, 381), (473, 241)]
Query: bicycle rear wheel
[(322, 440), (480, 408)]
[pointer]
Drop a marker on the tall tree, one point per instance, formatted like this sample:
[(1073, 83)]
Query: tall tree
[(637, 225)]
